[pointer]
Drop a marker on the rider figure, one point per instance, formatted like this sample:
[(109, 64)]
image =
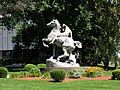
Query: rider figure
[(64, 32)]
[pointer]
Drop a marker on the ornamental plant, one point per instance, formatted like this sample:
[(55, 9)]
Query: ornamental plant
[(46, 75), (28, 67), (41, 65), (93, 72), (3, 72), (19, 74), (75, 73), (58, 75), (35, 72), (116, 74)]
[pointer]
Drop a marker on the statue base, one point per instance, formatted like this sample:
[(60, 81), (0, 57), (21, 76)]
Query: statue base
[(55, 63)]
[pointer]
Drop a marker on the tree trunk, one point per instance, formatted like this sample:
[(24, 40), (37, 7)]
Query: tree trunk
[(106, 64)]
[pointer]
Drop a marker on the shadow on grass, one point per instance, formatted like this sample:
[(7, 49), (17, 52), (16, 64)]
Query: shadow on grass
[(55, 81)]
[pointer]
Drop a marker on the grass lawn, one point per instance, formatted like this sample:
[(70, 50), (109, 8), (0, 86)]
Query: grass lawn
[(12, 84)]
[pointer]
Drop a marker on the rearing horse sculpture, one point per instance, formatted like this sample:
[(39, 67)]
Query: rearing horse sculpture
[(61, 39)]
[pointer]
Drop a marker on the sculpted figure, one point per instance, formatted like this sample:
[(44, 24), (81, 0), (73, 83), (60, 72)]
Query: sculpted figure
[(61, 36)]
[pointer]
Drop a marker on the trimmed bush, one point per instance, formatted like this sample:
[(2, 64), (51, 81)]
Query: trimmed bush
[(116, 74), (3, 72), (41, 65), (28, 67), (35, 72), (58, 75), (93, 72)]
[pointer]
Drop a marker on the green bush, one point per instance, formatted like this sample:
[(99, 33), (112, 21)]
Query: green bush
[(75, 73), (14, 75), (3, 72), (116, 74), (19, 74), (46, 75), (28, 67), (41, 65), (35, 72), (57, 75)]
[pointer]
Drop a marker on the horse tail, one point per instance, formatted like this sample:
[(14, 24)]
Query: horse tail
[(78, 44)]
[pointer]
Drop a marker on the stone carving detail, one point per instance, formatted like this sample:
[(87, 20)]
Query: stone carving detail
[(61, 36)]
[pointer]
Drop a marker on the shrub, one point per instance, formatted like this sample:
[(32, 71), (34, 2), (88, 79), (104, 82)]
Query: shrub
[(3, 72), (46, 75), (28, 67), (57, 75), (116, 74), (75, 73), (35, 72), (41, 65), (14, 75), (24, 74), (93, 72), (19, 74)]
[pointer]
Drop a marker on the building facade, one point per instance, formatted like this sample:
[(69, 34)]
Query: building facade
[(6, 45)]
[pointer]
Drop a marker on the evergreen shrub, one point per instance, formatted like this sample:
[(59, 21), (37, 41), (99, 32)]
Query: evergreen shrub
[(3, 72), (116, 74), (58, 75)]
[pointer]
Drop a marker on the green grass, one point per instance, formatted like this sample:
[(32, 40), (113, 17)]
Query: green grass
[(12, 84)]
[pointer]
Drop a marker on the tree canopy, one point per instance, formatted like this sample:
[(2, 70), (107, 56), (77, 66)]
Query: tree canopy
[(95, 23)]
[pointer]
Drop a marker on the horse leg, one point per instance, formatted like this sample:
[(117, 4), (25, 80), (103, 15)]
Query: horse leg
[(64, 55), (54, 47), (72, 57)]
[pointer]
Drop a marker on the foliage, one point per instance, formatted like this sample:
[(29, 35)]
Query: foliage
[(41, 65), (3, 72), (116, 74), (75, 73), (29, 67), (58, 75), (95, 23), (19, 74), (93, 72), (35, 72), (46, 75)]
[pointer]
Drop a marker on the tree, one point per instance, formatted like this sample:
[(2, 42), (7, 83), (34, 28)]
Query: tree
[(93, 22)]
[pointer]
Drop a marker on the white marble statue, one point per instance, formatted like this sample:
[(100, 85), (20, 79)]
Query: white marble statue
[(61, 36)]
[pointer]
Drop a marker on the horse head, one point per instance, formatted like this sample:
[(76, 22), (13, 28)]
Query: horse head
[(53, 23)]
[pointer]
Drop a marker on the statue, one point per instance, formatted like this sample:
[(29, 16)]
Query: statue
[(61, 36)]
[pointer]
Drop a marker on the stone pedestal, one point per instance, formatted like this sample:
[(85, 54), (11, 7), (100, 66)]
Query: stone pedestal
[(55, 63)]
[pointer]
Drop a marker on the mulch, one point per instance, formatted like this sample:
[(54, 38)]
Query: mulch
[(67, 79)]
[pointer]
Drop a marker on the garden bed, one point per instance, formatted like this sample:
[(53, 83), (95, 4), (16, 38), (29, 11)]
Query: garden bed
[(67, 79)]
